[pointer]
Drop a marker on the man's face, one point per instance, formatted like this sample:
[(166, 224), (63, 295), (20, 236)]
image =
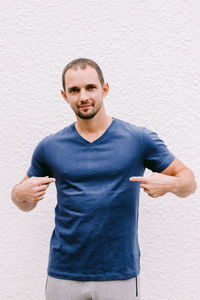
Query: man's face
[(84, 91)]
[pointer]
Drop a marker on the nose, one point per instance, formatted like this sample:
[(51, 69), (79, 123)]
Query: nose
[(83, 95)]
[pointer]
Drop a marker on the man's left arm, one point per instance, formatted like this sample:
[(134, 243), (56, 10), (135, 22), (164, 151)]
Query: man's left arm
[(176, 178)]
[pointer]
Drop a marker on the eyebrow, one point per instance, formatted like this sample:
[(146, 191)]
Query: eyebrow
[(73, 87)]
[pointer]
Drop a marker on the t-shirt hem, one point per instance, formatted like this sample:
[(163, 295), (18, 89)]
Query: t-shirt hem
[(166, 163), (95, 277), (30, 174)]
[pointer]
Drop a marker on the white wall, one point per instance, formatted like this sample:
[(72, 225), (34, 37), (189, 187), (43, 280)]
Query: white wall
[(149, 53)]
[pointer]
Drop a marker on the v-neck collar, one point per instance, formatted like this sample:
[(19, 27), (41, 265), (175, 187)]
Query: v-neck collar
[(98, 140)]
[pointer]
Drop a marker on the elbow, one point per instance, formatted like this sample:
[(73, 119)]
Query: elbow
[(188, 187), (194, 184), (194, 187), (191, 188)]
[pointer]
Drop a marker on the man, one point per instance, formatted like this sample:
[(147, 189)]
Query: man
[(98, 163)]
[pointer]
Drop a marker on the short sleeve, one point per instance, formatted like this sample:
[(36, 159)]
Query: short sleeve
[(157, 157), (38, 165)]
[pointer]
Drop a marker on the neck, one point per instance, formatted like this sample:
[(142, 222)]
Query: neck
[(99, 122)]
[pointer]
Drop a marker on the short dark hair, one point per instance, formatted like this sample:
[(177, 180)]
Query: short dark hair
[(82, 63)]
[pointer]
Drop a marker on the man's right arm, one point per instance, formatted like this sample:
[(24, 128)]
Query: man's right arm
[(29, 191)]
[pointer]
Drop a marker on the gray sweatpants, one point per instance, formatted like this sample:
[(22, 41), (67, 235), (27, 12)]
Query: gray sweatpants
[(123, 289)]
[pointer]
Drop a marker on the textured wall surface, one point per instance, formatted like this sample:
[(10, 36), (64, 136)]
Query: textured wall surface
[(149, 53)]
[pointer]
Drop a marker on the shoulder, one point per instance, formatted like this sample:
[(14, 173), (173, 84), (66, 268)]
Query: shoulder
[(144, 134), (53, 137), (133, 128), (128, 127)]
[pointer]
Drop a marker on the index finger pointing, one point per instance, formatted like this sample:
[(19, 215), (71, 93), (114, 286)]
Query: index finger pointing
[(46, 180), (139, 179)]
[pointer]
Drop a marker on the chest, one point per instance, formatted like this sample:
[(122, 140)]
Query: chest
[(80, 162)]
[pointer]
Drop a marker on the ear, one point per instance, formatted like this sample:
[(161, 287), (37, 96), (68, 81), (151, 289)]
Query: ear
[(64, 96), (105, 89)]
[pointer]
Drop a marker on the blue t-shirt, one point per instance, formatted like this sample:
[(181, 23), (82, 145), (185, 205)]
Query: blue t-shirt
[(96, 216)]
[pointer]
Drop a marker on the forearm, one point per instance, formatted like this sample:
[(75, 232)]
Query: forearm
[(21, 203), (183, 183)]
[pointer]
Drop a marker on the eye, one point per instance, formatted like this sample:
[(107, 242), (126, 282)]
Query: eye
[(73, 90), (91, 87)]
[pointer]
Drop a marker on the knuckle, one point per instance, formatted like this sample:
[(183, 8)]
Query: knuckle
[(40, 194), (34, 188), (42, 188), (34, 182)]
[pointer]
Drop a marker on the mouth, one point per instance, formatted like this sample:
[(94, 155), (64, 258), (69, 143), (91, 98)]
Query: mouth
[(83, 106)]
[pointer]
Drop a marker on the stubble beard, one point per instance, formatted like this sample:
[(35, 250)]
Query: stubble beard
[(89, 115)]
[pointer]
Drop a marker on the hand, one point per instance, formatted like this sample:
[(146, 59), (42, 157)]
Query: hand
[(155, 185), (33, 189)]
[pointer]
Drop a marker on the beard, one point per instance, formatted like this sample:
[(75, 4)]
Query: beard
[(89, 114)]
